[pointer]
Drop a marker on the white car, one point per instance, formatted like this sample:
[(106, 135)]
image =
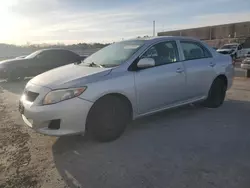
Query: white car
[(246, 63), (124, 81), (233, 49)]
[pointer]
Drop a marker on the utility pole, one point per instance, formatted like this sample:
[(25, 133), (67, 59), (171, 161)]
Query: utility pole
[(153, 28), (210, 33)]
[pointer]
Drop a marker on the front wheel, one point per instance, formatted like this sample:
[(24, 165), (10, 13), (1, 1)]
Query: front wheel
[(108, 118), (216, 94)]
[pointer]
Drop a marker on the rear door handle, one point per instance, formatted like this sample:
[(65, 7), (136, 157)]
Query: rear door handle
[(211, 64), (179, 70)]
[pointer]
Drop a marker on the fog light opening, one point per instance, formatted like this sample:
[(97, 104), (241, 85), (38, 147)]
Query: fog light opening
[(54, 124)]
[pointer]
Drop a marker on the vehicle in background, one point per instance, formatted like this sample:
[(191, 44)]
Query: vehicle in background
[(247, 54), (235, 50), (246, 62), (37, 63), (125, 81), (215, 48)]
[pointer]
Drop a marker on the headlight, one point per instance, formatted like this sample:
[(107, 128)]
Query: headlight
[(61, 95)]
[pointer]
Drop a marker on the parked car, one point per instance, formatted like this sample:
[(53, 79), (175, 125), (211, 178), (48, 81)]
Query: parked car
[(246, 63), (124, 81), (233, 49), (247, 54), (36, 63)]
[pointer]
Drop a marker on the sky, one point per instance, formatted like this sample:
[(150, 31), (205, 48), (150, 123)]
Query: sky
[(75, 21)]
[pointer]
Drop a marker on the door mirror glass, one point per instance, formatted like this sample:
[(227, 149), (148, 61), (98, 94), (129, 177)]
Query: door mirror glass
[(146, 62), (239, 47)]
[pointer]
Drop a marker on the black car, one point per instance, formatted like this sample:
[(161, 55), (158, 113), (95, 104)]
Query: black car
[(37, 63)]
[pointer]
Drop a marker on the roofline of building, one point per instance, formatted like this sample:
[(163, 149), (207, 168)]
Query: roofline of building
[(203, 27)]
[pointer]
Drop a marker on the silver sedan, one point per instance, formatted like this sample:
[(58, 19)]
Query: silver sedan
[(124, 81)]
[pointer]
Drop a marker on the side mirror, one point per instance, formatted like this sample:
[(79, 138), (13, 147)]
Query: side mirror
[(146, 62)]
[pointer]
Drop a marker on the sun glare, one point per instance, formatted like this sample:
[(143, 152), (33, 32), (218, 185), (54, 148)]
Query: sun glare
[(10, 23)]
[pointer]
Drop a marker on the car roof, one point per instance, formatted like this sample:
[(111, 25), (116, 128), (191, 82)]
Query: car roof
[(54, 49)]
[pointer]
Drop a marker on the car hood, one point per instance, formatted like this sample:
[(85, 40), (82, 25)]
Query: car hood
[(12, 61), (224, 50), (69, 76)]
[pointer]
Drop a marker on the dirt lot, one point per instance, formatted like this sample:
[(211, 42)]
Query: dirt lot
[(187, 147)]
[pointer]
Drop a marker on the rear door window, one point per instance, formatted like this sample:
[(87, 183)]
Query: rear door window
[(50, 58), (69, 57), (194, 50)]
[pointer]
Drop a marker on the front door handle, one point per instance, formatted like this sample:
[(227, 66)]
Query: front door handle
[(179, 70), (211, 64)]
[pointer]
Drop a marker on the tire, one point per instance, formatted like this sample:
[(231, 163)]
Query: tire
[(108, 118), (216, 94)]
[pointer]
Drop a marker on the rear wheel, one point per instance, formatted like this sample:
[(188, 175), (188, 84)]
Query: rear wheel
[(108, 118), (216, 94)]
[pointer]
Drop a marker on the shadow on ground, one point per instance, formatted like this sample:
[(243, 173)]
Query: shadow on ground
[(186, 147), (14, 87)]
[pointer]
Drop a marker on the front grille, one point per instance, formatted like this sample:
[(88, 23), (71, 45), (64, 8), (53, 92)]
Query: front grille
[(30, 96)]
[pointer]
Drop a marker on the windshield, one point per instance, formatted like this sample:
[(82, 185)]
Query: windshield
[(230, 46), (34, 54), (114, 54)]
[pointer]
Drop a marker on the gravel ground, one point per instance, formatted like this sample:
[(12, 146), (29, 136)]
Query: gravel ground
[(26, 158), (187, 147)]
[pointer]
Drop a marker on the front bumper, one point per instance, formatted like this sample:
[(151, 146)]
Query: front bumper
[(72, 114)]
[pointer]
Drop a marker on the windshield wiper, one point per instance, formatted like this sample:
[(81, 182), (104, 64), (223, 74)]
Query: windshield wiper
[(94, 65), (77, 62)]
